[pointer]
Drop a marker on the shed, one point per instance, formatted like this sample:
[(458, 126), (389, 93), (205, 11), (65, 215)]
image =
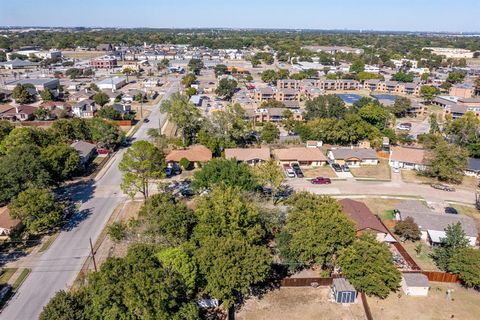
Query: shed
[(343, 291), (415, 284)]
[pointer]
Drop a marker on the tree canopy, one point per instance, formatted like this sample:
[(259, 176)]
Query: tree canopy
[(328, 106), (368, 265)]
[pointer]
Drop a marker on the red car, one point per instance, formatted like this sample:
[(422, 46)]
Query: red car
[(321, 180)]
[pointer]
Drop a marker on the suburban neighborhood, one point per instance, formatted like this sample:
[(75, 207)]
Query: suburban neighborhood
[(238, 173)]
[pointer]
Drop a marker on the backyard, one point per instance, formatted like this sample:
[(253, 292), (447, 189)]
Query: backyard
[(382, 207), (465, 304), (378, 172), (423, 259), (302, 303)]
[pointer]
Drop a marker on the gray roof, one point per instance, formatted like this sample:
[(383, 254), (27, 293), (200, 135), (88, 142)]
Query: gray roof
[(426, 219), (18, 63), (360, 153), (342, 284), (473, 164), (35, 82), (416, 280), (83, 148)]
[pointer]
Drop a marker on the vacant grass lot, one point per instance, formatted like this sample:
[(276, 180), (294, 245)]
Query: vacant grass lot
[(325, 171), (465, 304), (378, 172), (411, 176), (302, 303)]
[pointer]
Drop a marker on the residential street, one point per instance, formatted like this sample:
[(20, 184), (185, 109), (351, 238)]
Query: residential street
[(58, 267), (396, 187)]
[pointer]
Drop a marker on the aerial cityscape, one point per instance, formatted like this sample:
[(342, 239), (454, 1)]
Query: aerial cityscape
[(252, 161)]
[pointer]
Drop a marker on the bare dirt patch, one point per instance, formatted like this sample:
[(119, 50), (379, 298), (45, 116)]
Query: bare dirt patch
[(298, 304), (465, 304)]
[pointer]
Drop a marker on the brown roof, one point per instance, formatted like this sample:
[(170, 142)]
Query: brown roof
[(300, 154), (5, 107), (248, 154), (7, 222), (409, 155), (197, 153), (362, 216)]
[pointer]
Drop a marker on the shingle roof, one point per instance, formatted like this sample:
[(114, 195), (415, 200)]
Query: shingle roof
[(342, 284), (300, 154), (348, 153), (408, 155), (362, 216), (6, 221), (416, 280), (426, 219), (248, 154), (473, 164), (197, 153), (83, 148)]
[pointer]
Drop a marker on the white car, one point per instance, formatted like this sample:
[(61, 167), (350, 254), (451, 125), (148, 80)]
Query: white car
[(290, 173)]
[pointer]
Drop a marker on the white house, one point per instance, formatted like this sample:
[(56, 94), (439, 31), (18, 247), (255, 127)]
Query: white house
[(407, 158), (415, 284), (353, 156), (113, 83)]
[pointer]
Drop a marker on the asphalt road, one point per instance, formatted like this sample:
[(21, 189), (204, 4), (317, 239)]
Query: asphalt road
[(59, 265)]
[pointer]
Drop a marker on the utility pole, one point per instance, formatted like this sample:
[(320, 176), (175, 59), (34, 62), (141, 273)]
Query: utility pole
[(93, 255)]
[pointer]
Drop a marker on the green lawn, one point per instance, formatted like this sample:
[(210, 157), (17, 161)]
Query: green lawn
[(7, 274), (423, 259), (21, 278)]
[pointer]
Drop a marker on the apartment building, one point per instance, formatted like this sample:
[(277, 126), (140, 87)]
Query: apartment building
[(272, 115), (393, 87), (105, 62), (283, 94)]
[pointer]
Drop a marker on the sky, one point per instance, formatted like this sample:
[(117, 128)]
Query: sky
[(388, 15)]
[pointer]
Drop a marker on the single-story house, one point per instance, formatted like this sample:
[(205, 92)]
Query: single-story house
[(353, 157), (19, 113), (196, 154), (433, 225), (407, 158), (415, 284), (311, 157), (343, 291), (473, 167), (251, 156), (85, 151), (7, 223), (364, 219), (81, 95), (122, 108)]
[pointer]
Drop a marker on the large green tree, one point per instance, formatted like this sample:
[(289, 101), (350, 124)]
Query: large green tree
[(104, 132), (61, 161), (270, 132), (368, 265), (466, 262), (142, 163), (227, 212), (454, 240), (21, 95), (226, 88), (447, 162), (66, 306), (5, 128), (21, 168), (38, 209), (101, 98), (230, 266), (328, 106), (229, 173), (195, 65), (428, 92), (271, 175), (165, 220), (318, 227), (184, 114), (182, 263)]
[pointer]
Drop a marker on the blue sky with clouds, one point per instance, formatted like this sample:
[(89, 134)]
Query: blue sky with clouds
[(414, 15)]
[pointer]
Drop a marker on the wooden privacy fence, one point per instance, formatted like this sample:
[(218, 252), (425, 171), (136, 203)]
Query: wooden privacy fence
[(123, 123), (438, 276), (305, 282)]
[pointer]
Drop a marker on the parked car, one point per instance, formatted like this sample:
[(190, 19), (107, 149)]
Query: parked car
[(290, 173), (345, 168), (336, 167), (451, 210), (146, 120), (443, 187), (168, 172), (321, 180), (407, 126), (298, 171)]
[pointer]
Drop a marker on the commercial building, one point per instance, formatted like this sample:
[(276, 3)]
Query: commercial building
[(105, 62), (112, 84), (39, 84)]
